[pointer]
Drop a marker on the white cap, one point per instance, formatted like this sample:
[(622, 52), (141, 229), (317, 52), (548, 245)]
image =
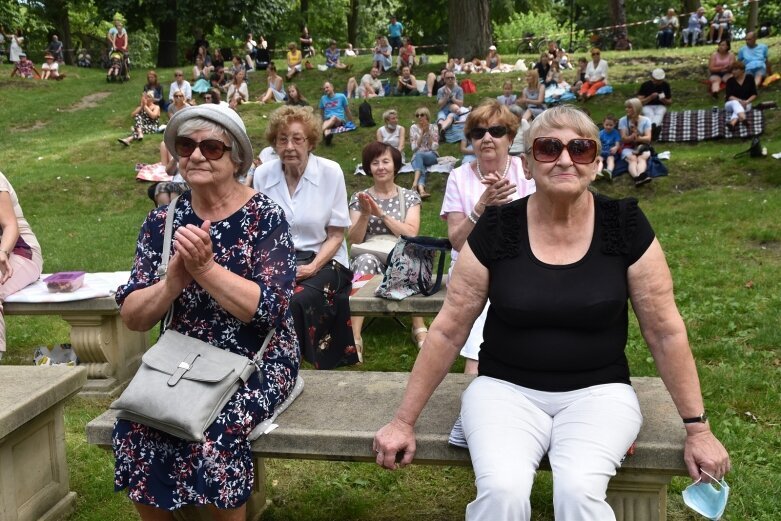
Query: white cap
[(657, 74), (492, 48)]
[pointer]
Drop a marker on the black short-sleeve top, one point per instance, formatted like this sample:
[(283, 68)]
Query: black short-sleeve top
[(558, 327)]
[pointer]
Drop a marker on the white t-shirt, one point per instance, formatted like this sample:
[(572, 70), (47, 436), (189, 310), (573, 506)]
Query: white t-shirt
[(464, 189), (185, 88), (320, 200)]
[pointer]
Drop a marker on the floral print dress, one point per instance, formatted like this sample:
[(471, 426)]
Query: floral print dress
[(168, 472)]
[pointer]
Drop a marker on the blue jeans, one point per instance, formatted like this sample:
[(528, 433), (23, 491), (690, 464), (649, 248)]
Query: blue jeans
[(421, 160)]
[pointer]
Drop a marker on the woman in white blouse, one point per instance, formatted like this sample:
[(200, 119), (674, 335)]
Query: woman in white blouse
[(312, 192), (391, 133)]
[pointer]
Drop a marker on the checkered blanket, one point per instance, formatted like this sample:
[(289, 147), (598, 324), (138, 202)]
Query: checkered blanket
[(699, 125)]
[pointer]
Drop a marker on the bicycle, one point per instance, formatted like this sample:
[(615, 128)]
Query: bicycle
[(530, 44)]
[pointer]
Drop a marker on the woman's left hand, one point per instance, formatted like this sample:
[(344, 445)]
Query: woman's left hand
[(6, 270), (195, 246), (704, 451), (369, 205)]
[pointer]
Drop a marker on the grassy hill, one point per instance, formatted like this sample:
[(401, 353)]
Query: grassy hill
[(716, 217)]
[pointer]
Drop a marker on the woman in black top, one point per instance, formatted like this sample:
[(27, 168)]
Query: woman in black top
[(559, 268), (741, 91)]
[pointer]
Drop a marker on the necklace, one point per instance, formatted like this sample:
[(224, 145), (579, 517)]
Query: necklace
[(482, 177), (393, 193)]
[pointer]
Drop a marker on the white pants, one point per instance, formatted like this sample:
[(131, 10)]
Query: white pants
[(655, 113), (733, 108), (585, 433)]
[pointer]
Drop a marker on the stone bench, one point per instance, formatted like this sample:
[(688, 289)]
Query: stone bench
[(34, 478), (326, 425), (363, 303), (109, 351)]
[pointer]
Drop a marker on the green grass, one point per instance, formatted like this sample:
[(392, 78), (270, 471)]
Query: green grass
[(716, 217)]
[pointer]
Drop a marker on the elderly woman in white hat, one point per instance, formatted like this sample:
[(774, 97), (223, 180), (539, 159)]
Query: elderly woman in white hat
[(229, 283)]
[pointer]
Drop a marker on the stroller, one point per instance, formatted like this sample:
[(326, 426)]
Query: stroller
[(118, 67)]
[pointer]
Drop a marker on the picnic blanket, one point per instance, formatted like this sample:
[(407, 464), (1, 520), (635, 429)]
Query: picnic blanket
[(347, 127), (155, 172), (699, 125)]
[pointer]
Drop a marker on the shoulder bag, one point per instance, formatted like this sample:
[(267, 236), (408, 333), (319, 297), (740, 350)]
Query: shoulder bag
[(410, 267), (183, 383), (380, 245)]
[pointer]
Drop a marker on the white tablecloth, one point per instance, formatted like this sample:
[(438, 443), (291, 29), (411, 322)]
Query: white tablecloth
[(95, 285)]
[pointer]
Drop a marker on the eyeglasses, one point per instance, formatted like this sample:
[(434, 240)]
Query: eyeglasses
[(421, 115), (211, 149), (549, 149), (283, 141), (178, 95), (496, 131), (450, 77)]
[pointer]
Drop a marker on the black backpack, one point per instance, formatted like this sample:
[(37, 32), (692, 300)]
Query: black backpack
[(365, 114)]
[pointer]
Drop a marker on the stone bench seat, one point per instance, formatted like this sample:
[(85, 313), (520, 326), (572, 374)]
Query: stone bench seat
[(363, 303), (34, 477), (324, 424)]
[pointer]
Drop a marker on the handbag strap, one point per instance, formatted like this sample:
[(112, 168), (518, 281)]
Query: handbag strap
[(440, 270), (161, 272), (402, 203)]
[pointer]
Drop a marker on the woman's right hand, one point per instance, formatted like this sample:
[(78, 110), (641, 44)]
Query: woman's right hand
[(367, 204), (394, 439), (6, 269), (498, 191)]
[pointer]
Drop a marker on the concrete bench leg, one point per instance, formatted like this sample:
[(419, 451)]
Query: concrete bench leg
[(638, 497), (34, 479), (110, 352)]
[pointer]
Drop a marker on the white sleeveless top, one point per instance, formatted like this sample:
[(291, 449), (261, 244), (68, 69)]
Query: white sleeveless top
[(391, 138)]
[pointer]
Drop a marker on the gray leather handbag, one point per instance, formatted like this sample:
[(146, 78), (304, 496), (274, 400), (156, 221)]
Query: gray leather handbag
[(183, 383)]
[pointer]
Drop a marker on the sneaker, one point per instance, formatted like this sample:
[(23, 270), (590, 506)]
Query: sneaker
[(642, 179), (457, 437), (328, 138)]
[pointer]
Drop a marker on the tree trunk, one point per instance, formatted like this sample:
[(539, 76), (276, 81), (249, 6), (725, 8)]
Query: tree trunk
[(304, 13), (168, 51), (352, 22), (57, 12), (689, 6), (620, 35), (469, 26), (753, 16)]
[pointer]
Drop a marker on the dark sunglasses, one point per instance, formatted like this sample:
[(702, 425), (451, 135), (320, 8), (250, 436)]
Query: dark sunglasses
[(549, 149), (495, 131), (421, 114), (212, 149)]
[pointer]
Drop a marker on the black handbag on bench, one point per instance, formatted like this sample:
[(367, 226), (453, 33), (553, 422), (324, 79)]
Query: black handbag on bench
[(410, 267)]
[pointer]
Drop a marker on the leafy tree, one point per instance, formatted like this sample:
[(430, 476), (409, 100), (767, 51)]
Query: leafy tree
[(172, 16)]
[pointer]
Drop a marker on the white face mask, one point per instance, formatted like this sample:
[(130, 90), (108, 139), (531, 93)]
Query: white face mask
[(391, 127), (706, 499)]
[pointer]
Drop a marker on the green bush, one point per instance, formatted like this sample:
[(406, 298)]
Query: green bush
[(542, 25)]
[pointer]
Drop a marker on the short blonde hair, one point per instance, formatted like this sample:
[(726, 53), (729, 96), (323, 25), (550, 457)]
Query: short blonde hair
[(562, 117), (283, 117), (636, 105), (388, 113), (490, 109)]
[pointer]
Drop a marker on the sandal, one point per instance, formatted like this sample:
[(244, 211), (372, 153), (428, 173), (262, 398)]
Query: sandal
[(423, 193), (416, 332), (124, 142), (359, 350)]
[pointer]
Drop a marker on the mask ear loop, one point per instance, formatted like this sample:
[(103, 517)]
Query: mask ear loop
[(717, 481)]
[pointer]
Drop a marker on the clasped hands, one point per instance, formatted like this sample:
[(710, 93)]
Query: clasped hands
[(193, 255), (368, 205), (499, 190)]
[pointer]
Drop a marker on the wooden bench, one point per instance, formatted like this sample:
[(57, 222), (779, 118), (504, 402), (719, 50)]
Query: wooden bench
[(109, 351), (326, 425), (363, 303), (34, 478)]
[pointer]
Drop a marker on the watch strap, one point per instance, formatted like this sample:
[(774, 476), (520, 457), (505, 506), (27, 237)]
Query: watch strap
[(702, 418)]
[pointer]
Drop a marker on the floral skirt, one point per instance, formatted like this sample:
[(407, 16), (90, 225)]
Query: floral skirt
[(321, 314)]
